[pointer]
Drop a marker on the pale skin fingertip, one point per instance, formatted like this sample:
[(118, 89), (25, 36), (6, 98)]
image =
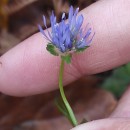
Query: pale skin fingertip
[(106, 124), (123, 108), (85, 126)]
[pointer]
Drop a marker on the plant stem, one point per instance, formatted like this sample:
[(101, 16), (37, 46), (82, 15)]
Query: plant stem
[(69, 109)]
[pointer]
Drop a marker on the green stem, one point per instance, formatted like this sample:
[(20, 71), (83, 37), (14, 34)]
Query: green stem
[(69, 109)]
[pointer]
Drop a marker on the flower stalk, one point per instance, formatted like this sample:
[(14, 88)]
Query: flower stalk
[(72, 117), (64, 39)]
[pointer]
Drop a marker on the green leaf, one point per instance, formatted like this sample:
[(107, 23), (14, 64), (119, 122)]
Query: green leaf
[(118, 81), (82, 49), (62, 108), (67, 58), (51, 49)]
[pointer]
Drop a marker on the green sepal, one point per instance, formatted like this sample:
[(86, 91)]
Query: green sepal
[(67, 58), (51, 48), (81, 49)]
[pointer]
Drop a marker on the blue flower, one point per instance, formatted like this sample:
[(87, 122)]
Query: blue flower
[(67, 36)]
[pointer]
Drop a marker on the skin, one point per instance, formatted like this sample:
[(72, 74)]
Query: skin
[(29, 69)]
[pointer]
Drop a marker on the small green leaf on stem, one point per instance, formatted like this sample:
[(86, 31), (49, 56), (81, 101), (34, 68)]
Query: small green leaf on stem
[(67, 58), (62, 108), (51, 49)]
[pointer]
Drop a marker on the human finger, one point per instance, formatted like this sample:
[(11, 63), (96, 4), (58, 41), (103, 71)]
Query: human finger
[(123, 107), (29, 69), (105, 124)]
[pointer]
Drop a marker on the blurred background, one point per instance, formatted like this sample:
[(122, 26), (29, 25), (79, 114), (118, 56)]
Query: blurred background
[(99, 94)]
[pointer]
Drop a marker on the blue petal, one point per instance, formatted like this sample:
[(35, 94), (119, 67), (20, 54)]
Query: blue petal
[(79, 21), (52, 19), (88, 42), (71, 13), (88, 33), (44, 21), (62, 48), (42, 31), (76, 12), (67, 40)]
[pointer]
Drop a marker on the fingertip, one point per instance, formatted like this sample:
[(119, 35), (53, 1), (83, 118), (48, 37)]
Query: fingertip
[(88, 126), (123, 107), (106, 124)]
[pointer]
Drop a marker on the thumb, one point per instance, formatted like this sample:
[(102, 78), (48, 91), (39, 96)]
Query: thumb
[(106, 124), (119, 120), (123, 108)]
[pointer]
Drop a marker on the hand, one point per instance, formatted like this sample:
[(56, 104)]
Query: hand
[(118, 120), (29, 69)]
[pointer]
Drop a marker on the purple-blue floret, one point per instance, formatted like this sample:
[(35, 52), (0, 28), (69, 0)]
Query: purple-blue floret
[(67, 36)]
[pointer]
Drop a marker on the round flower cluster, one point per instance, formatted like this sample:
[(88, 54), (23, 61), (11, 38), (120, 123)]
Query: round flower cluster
[(67, 36)]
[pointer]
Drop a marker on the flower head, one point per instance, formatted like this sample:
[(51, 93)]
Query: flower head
[(67, 36)]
